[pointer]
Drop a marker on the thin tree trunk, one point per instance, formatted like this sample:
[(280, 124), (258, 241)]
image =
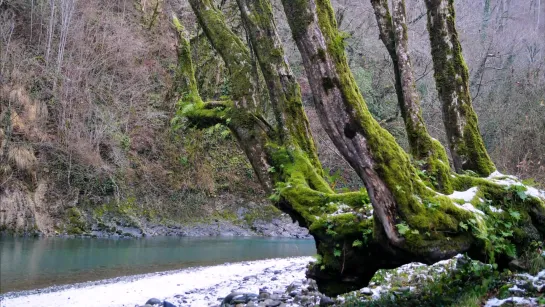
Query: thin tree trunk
[(538, 14), (66, 12), (31, 19), (452, 82), (50, 30)]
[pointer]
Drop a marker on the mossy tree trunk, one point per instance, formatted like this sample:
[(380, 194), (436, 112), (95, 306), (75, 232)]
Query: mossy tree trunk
[(423, 148), (240, 115), (399, 198), (400, 219), (285, 95), (452, 81)]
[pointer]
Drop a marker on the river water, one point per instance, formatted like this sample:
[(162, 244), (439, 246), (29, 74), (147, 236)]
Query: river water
[(30, 263)]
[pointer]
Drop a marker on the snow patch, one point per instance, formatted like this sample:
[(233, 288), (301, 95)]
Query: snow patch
[(516, 289), (531, 191), (508, 181), (495, 210), (514, 300), (466, 196), (469, 207), (341, 209)]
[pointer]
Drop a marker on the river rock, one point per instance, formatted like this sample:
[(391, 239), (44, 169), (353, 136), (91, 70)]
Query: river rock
[(516, 265), (312, 286), (168, 304), (238, 298), (326, 301), (154, 301), (366, 291), (264, 295), (271, 303)]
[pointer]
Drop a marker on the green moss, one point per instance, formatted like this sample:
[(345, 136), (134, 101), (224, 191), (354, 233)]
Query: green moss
[(263, 213), (277, 52), (76, 223)]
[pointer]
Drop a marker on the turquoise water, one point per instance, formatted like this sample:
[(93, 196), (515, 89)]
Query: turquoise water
[(31, 263)]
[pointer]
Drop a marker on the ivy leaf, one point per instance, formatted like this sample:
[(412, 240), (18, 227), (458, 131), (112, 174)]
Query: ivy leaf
[(463, 225), (331, 232), (515, 214), (402, 228), (415, 232), (357, 243), (336, 253), (225, 133), (188, 108), (511, 250), (507, 233), (522, 195)]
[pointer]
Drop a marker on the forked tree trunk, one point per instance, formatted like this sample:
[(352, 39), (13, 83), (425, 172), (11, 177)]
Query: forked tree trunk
[(452, 81), (240, 115), (291, 121), (424, 148), (398, 196)]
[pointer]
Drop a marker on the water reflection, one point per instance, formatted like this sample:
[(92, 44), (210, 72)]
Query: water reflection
[(27, 263)]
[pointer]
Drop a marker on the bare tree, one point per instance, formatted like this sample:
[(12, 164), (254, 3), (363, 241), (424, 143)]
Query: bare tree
[(66, 12), (50, 30)]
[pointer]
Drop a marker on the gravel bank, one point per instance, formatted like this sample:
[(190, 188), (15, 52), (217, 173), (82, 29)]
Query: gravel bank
[(202, 286)]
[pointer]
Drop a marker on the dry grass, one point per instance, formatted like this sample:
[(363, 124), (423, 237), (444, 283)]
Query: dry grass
[(22, 157)]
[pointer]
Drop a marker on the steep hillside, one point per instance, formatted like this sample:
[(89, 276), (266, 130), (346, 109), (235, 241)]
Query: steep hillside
[(86, 136)]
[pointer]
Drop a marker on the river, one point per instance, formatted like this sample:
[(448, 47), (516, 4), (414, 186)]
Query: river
[(31, 263)]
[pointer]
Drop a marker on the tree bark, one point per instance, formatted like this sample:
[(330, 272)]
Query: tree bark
[(452, 81), (424, 148)]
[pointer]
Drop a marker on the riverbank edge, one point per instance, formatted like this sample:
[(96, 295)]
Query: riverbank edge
[(279, 226)]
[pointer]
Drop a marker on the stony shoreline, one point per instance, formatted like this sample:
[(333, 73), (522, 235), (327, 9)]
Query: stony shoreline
[(200, 286), (282, 282)]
